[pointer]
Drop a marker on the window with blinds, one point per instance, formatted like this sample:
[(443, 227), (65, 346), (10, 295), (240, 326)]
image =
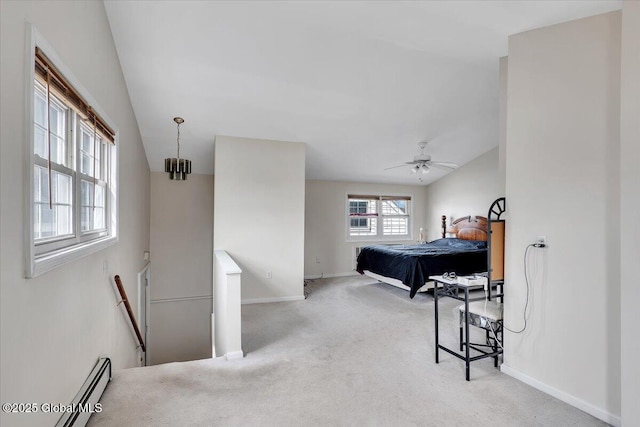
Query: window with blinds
[(378, 216), (363, 216), (73, 162)]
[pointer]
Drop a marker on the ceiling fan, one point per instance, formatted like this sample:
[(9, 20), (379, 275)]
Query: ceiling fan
[(423, 163)]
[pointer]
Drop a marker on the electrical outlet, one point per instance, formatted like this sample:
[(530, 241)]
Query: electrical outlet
[(317, 260), (269, 275), (105, 267)]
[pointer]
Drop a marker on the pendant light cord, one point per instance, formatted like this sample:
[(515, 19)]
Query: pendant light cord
[(178, 140)]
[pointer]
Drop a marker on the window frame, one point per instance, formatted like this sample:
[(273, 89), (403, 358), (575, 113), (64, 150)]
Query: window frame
[(104, 180), (373, 216), (48, 254), (379, 236)]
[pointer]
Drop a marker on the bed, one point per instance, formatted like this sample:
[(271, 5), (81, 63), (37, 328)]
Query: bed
[(409, 266)]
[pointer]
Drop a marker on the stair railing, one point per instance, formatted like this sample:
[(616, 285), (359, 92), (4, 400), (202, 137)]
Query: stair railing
[(132, 318)]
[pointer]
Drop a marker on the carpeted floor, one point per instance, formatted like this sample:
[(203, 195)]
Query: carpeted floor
[(356, 352)]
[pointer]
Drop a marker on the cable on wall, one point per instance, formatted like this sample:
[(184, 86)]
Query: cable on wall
[(526, 279)]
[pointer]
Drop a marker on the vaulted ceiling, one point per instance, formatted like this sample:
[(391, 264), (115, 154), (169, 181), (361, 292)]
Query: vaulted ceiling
[(361, 83)]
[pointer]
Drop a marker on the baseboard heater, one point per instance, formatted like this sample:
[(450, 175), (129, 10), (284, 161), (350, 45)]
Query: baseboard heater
[(84, 404)]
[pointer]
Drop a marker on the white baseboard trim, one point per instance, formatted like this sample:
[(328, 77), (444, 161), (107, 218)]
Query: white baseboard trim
[(234, 355), (276, 299), (332, 275), (599, 413)]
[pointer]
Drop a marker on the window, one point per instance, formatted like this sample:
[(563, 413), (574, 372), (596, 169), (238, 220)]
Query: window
[(93, 182), (363, 216), (379, 217), (72, 202)]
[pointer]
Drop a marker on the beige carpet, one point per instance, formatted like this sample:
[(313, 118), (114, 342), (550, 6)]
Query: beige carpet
[(356, 352)]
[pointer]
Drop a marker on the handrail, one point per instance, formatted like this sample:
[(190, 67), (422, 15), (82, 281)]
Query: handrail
[(125, 300)]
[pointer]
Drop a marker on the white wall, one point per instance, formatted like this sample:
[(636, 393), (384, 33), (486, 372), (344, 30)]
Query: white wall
[(469, 190), (181, 268), (326, 222), (55, 327), (503, 75), (563, 182), (259, 214), (630, 211)]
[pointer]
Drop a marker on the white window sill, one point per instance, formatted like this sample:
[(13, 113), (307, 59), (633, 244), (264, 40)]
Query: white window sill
[(47, 262)]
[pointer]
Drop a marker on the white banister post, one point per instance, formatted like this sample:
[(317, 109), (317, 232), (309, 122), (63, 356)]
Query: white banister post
[(226, 321)]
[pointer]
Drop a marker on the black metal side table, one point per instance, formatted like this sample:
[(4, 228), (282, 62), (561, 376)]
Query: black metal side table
[(452, 289)]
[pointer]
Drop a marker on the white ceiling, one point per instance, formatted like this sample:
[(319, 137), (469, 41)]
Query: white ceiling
[(361, 83)]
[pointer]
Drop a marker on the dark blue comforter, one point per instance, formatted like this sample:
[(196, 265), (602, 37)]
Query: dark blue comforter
[(413, 264)]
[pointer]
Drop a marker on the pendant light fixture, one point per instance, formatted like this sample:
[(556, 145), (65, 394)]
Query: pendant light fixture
[(176, 167)]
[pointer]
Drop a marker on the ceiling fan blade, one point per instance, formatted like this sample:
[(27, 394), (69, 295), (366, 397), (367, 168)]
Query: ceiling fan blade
[(395, 167), (448, 164), (444, 165)]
